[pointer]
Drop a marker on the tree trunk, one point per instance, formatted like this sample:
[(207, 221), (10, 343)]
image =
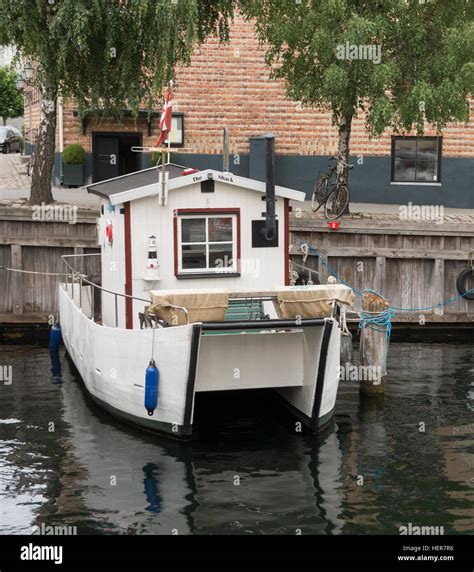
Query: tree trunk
[(44, 153), (342, 171), (4, 119)]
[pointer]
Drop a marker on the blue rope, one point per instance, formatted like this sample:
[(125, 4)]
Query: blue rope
[(381, 322), (393, 308)]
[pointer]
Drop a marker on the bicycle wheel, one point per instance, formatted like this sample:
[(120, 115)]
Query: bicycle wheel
[(337, 202), (319, 193)]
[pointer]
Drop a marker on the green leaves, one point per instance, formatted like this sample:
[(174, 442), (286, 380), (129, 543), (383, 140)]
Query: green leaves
[(11, 99), (109, 55), (404, 62)]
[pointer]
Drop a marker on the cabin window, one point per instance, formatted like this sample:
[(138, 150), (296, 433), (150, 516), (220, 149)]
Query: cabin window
[(207, 243), (416, 160)]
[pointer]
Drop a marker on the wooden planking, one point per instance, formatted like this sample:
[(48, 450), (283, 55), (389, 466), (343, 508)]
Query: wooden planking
[(41, 292), (41, 233), (17, 283), (410, 284), (439, 284), (453, 269), (365, 223), (38, 246), (414, 253), (414, 266), (6, 303)]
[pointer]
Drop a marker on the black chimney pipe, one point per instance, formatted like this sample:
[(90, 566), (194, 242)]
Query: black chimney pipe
[(270, 220)]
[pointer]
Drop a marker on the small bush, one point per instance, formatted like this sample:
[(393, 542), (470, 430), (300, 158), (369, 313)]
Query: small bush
[(74, 155)]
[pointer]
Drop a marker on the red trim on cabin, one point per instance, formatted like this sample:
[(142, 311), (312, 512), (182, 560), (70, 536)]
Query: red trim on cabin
[(287, 241), (175, 241), (216, 211), (128, 266)]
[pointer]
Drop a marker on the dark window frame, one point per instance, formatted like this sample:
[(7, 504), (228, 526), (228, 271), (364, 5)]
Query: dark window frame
[(415, 138)]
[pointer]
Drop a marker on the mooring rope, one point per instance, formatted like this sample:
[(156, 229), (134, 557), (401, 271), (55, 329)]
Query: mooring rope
[(360, 292), (380, 322), (33, 272)]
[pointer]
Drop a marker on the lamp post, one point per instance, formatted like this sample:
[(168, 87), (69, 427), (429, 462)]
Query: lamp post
[(24, 74)]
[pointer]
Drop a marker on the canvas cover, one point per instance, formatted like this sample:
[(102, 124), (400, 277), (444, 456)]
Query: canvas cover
[(210, 305), (312, 301), (202, 306)]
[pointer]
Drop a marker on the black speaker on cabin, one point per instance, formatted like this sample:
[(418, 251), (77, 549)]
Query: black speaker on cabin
[(259, 239)]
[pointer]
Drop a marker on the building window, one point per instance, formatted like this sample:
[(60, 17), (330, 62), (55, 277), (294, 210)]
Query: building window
[(416, 159), (177, 130), (207, 242)]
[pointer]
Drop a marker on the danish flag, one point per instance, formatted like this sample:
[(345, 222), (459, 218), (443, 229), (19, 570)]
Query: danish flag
[(166, 116)]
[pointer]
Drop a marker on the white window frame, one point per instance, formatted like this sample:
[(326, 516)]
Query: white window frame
[(208, 270)]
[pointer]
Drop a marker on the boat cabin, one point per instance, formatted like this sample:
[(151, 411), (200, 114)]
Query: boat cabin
[(172, 228)]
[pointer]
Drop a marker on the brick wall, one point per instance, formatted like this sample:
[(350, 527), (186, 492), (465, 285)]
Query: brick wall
[(228, 85)]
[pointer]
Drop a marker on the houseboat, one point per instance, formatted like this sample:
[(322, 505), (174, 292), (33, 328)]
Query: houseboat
[(196, 295)]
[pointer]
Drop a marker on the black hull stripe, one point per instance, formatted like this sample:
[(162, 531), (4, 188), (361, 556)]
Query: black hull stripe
[(323, 357), (261, 324), (193, 359)]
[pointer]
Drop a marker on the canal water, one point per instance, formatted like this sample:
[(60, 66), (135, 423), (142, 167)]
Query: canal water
[(385, 463)]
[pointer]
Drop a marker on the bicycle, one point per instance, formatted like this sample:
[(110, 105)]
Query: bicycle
[(328, 192), (33, 134)]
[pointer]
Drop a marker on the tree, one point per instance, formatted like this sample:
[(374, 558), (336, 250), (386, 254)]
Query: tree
[(402, 62), (11, 99), (106, 55)]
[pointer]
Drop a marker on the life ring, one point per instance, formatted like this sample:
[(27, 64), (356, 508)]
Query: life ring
[(108, 233), (461, 283)]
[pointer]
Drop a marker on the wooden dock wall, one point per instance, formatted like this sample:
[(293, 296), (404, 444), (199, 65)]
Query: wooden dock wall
[(29, 244), (414, 264)]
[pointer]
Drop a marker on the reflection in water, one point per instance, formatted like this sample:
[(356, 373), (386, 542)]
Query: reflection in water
[(65, 461), (55, 367), (150, 482)]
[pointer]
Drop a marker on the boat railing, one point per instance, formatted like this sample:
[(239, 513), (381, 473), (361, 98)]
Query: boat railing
[(74, 277), (81, 279)]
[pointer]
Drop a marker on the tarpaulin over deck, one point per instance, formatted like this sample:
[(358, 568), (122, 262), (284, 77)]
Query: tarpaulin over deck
[(312, 302), (211, 305)]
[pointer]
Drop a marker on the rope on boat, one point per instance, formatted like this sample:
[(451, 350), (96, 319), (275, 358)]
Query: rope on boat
[(33, 272)]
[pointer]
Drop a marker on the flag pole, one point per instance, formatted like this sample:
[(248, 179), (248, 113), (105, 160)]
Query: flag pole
[(169, 133)]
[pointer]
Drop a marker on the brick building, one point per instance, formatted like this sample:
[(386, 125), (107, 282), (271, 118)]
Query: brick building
[(228, 86)]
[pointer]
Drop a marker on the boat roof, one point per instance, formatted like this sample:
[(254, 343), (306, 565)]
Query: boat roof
[(131, 181), (145, 183)]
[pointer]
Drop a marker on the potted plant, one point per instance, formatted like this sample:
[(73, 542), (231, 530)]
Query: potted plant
[(73, 165)]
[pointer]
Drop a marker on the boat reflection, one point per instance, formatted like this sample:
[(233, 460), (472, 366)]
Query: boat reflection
[(55, 367), (244, 475)]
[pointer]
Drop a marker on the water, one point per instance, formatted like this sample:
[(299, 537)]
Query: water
[(65, 462)]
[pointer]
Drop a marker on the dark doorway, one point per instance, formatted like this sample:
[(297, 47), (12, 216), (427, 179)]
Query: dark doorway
[(112, 155)]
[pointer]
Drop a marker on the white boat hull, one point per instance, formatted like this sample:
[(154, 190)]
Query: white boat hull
[(301, 363)]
